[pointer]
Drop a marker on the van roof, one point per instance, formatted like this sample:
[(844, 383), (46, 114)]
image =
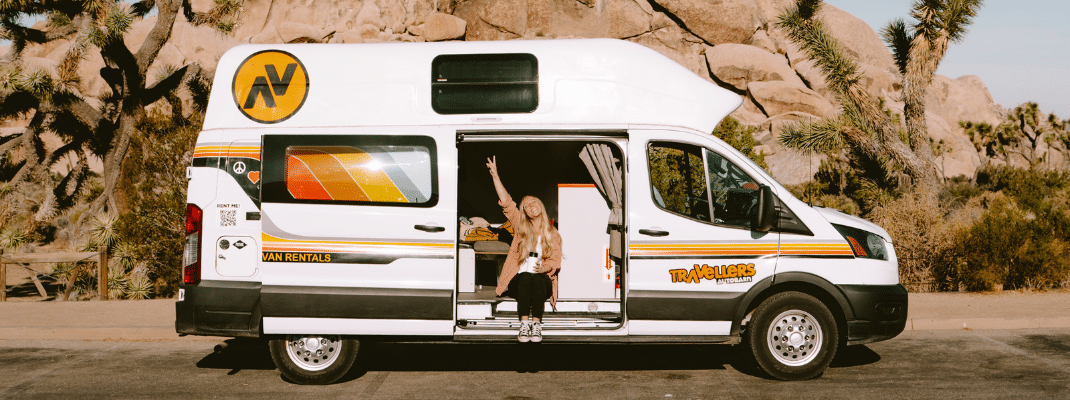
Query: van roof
[(580, 81)]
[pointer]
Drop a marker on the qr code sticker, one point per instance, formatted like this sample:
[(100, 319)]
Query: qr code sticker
[(228, 218)]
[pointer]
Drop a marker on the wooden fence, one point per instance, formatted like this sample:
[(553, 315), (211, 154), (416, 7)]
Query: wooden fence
[(24, 260)]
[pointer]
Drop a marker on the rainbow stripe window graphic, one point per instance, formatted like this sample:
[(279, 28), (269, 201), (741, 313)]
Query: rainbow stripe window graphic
[(386, 174)]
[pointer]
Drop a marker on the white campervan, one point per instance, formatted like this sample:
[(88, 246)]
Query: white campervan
[(338, 194)]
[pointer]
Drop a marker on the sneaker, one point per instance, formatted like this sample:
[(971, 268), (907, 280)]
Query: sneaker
[(536, 332), (525, 332)]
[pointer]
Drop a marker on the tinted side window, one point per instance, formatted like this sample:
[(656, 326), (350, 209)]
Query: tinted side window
[(350, 169), (678, 179), (735, 194)]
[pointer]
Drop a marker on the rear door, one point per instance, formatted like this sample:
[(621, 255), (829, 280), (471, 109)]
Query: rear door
[(359, 230), (692, 254)]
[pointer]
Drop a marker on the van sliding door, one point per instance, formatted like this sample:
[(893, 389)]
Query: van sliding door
[(359, 231)]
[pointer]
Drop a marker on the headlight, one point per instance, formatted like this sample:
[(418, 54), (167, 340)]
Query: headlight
[(864, 244)]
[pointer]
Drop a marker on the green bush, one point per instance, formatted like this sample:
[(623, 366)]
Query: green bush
[(151, 231), (1011, 248)]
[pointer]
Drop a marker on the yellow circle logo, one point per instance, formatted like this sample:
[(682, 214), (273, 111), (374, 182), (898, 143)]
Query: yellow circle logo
[(270, 86)]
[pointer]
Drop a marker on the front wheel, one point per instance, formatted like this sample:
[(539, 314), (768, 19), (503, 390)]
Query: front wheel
[(314, 359), (793, 336)]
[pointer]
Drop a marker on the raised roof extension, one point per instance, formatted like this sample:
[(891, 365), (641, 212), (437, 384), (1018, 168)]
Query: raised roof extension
[(581, 81)]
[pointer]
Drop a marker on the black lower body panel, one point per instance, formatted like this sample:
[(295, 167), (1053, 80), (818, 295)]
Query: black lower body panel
[(219, 308), (880, 312), (683, 305)]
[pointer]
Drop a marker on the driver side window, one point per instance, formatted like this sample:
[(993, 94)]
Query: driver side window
[(700, 184), (735, 194)]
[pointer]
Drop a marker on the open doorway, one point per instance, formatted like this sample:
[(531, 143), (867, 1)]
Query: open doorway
[(580, 182)]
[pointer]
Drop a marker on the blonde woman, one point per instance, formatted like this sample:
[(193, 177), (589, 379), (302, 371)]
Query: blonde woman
[(530, 270)]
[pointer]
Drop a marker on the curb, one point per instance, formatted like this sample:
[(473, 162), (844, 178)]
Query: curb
[(932, 324)]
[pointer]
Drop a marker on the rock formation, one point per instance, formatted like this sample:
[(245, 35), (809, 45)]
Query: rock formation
[(733, 43)]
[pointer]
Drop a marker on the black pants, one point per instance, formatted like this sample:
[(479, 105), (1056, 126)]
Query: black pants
[(530, 291)]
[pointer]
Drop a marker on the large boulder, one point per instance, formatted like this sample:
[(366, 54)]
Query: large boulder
[(739, 64), (779, 97), (441, 26), (716, 21), (965, 98)]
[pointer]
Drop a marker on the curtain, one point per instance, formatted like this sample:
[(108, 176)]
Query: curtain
[(608, 178)]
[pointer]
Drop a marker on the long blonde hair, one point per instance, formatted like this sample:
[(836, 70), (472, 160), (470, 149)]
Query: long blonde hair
[(526, 233)]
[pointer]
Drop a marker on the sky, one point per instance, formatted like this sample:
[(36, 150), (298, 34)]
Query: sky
[(1019, 48)]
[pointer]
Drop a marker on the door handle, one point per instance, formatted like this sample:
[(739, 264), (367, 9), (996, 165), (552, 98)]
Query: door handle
[(430, 228), (654, 232)]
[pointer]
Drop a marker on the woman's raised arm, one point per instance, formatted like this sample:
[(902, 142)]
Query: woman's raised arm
[(492, 165)]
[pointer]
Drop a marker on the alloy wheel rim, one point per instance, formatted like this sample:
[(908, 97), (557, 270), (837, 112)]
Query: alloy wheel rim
[(794, 338), (313, 353)]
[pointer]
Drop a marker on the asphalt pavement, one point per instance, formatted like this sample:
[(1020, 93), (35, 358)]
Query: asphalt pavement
[(152, 320)]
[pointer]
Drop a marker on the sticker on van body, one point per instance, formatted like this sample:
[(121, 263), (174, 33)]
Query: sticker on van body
[(722, 274), (270, 86), (241, 162)]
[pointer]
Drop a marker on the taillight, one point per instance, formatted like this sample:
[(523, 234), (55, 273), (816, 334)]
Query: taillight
[(191, 254)]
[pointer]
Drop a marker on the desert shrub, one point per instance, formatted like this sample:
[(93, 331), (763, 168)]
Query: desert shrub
[(1011, 248), (923, 238), (154, 185)]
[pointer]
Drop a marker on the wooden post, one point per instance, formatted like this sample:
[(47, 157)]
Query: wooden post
[(70, 283), (102, 281), (3, 277)]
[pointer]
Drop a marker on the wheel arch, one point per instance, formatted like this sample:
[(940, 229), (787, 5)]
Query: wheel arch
[(802, 282)]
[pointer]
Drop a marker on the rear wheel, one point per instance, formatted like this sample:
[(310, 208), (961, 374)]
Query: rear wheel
[(314, 359), (793, 336)]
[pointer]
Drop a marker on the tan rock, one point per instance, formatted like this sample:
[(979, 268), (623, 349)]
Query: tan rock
[(965, 98), (348, 37), (476, 28), (441, 26), (368, 31), (370, 15), (645, 5), (624, 18), (660, 20), (779, 97), (761, 40), (253, 18), (769, 10), (686, 54), (393, 14), (739, 64), (861, 42), (716, 21), (200, 44), (268, 35), (295, 32)]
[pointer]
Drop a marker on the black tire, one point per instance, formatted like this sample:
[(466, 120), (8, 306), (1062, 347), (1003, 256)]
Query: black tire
[(811, 339), (314, 359)]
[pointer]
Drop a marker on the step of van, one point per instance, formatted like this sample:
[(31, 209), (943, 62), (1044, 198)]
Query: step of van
[(549, 322)]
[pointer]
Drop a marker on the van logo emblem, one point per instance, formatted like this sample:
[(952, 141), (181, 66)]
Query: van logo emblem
[(270, 86)]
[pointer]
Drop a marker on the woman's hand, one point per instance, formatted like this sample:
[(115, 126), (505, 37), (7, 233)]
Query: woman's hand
[(542, 269), (492, 164)]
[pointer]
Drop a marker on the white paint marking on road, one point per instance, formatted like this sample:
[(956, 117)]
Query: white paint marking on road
[(1014, 350), (373, 385)]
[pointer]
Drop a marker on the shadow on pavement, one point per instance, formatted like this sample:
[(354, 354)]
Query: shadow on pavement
[(854, 356), (239, 354), (253, 354), (540, 357)]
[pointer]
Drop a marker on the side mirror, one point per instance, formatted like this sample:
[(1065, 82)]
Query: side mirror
[(765, 218)]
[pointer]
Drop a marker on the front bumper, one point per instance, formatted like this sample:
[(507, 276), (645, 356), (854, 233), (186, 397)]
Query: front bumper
[(880, 312)]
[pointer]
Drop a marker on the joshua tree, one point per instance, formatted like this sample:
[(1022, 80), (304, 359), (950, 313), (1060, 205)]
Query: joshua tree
[(868, 129), (56, 104)]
